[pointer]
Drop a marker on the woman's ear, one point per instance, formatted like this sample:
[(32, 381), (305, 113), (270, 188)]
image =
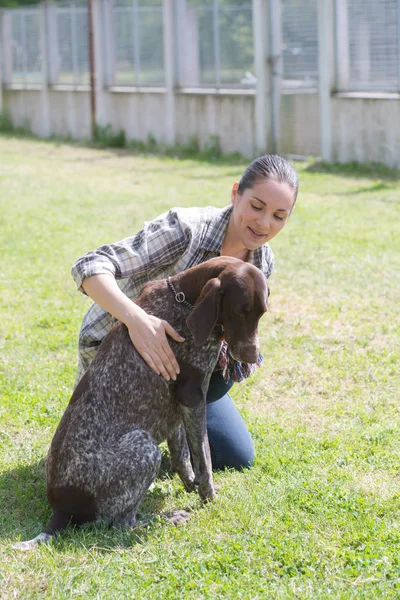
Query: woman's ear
[(234, 193)]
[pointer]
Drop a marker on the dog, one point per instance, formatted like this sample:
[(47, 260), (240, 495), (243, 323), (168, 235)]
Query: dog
[(105, 454)]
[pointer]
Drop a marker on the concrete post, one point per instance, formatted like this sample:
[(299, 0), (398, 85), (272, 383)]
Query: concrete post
[(44, 53), (342, 45), (262, 67), (326, 75), (170, 71)]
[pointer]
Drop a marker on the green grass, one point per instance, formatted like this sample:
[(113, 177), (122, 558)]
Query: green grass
[(318, 514)]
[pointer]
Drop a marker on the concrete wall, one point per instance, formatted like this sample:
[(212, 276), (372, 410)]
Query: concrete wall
[(300, 127), (228, 116), (366, 129)]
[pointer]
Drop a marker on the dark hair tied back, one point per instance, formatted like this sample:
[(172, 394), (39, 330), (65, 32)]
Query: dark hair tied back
[(270, 166)]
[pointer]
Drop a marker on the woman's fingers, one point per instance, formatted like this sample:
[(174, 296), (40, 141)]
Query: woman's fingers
[(172, 332), (153, 346)]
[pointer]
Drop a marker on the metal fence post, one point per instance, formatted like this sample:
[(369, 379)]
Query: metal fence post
[(398, 46), (100, 52), (23, 35), (275, 62), (74, 44), (136, 41), (2, 48), (326, 69), (170, 70), (44, 93), (262, 100), (217, 43), (6, 30), (342, 45), (53, 62), (109, 42)]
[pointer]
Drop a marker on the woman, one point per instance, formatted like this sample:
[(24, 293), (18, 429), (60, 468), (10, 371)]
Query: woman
[(113, 276)]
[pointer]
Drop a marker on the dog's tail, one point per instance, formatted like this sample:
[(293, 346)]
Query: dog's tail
[(58, 522)]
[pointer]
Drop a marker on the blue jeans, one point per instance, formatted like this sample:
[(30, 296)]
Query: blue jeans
[(230, 441)]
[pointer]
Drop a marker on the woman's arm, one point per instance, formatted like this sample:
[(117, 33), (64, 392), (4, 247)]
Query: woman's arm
[(160, 243), (147, 332)]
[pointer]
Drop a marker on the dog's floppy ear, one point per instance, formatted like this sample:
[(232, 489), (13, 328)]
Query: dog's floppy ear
[(203, 317)]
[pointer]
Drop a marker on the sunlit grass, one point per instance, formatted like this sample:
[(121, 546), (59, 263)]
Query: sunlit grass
[(318, 514)]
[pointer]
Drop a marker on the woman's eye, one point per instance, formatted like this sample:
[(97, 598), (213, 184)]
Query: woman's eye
[(279, 218), (256, 207)]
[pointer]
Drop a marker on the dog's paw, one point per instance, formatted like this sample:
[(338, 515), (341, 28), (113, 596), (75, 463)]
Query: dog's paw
[(42, 538), (189, 485), (207, 493)]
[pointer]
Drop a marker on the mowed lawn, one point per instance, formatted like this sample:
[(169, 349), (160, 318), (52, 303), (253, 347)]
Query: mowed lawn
[(318, 516)]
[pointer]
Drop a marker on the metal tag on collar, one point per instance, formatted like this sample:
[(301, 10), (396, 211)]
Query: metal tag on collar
[(180, 297)]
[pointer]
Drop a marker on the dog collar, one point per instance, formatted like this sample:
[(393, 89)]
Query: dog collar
[(179, 296)]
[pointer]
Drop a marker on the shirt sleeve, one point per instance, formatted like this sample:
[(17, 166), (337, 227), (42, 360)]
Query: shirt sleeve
[(158, 244)]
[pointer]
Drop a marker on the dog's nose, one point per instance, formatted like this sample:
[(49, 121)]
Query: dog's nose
[(245, 352)]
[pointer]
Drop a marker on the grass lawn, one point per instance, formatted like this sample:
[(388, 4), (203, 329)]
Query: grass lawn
[(318, 515)]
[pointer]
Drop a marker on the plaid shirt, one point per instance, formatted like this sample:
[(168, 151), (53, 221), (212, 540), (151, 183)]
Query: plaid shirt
[(173, 242)]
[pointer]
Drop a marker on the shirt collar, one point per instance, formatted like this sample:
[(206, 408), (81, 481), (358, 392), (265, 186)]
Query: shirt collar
[(214, 236)]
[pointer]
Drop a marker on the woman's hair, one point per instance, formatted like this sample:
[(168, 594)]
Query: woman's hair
[(270, 166)]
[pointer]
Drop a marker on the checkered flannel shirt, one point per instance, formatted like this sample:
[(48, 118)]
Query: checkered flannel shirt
[(173, 242)]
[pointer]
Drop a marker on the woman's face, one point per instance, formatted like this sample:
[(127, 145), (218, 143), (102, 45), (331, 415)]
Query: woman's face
[(260, 212)]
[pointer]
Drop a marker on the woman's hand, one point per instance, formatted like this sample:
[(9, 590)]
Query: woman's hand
[(148, 333), (149, 336)]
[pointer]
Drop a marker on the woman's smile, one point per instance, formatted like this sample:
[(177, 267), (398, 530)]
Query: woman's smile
[(255, 234)]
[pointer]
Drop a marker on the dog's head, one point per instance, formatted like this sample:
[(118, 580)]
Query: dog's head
[(236, 299)]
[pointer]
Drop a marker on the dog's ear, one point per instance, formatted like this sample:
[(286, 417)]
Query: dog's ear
[(203, 317)]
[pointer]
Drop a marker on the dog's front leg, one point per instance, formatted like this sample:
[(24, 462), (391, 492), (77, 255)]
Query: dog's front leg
[(180, 457), (194, 419)]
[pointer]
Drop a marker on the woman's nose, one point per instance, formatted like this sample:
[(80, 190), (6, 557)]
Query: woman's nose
[(265, 224)]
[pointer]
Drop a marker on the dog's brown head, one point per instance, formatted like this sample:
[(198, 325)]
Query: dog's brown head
[(236, 299)]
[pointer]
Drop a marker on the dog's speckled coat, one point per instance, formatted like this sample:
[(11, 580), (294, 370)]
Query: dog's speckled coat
[(105, 454)]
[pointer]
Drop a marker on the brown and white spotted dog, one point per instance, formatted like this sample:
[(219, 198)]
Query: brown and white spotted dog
[(104, 454)]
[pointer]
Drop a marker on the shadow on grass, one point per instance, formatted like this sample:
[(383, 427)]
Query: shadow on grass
[(26, 511), (355, 170)]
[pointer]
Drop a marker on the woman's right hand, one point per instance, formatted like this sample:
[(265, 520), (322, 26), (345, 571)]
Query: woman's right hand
[(149, 336), (147, 332)]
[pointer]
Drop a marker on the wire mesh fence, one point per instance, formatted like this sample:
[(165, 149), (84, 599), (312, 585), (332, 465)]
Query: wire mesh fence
[(26, 58), (374, 44), (214, 43), (72, 44), (138, 38), (300, 42)]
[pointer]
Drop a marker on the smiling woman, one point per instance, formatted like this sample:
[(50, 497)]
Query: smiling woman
[(113, 276)]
